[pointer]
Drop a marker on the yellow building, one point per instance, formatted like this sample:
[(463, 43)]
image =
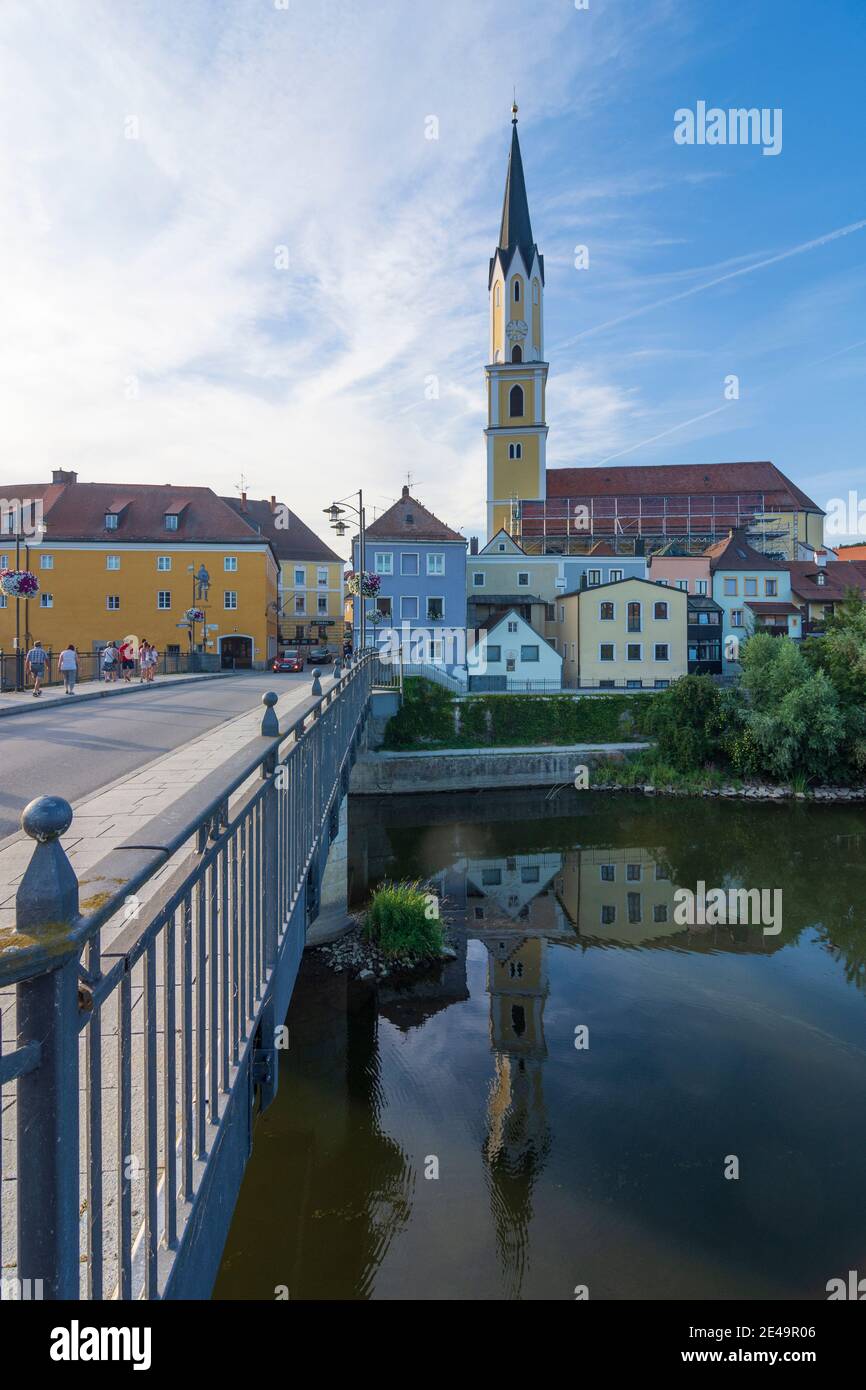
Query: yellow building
[(629, 634), (120, 560)]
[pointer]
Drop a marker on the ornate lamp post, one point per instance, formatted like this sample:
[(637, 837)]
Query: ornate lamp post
[(335, 512)]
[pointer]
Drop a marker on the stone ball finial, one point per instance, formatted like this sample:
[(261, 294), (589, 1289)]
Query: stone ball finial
[(46, 818), (270, 698)]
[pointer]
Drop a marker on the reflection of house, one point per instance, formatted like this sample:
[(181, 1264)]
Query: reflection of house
[(618, 894), (515, 888)]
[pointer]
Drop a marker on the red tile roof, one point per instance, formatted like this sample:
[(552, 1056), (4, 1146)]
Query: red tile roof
[(295, 541), (681, 479), (407, 520), (840, 575), (76, 512), (735, 553)]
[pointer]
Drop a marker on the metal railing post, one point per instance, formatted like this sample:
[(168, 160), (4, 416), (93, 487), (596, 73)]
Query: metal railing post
[(48, 1218), (270, 820)]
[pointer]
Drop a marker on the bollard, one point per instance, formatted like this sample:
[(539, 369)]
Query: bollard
[(317, 681), (46, 905), (338, 670), (270, 722)]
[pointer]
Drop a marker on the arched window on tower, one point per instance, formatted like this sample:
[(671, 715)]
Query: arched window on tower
[(517, 353), (515, 451), (515, 290), (496, 299), (515, 402)]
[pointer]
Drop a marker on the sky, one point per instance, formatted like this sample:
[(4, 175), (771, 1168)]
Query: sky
[(232, 254)]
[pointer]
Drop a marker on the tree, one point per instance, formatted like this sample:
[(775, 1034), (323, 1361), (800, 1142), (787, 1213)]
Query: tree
[(686, 722)]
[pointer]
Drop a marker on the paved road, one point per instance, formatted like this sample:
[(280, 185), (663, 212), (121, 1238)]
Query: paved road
[(74, 750)]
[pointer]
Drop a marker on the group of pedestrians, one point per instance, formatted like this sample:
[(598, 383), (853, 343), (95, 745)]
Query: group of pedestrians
[(118, 659)]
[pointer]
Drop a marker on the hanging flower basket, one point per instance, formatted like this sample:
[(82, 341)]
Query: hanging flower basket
[(19, 583), (363, 583), (194, 615)]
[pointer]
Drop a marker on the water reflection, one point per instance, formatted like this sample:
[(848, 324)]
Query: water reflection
[(558, 1167)]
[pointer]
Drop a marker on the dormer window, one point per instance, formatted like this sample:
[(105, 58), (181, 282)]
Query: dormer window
[(111, 520), (410, 518), (821, 579), (170, 519)]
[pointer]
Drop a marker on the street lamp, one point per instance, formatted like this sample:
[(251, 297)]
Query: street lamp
[(336, 512)]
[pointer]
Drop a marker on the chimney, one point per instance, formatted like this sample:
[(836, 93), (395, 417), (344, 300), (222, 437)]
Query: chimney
[(62, 475), (273, 504), (820, 558), (473, 545), (243, 501), (405, 493)]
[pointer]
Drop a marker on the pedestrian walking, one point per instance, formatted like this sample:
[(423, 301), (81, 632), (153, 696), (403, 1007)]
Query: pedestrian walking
[(143, 655), (68, 665), (109, 662), (34, 665), (126, 651), (152, 660)]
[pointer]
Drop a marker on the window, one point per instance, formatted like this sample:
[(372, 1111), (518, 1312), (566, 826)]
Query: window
[(634, 914), (409, 563), (606, 612), (820, 578), (435, 563), (608, 915), (46, 562), (383, 606), (662, 685), (736, 617), (634, 685), (660, 912), (230, 563), (163, 598), (683, 584), (300, 576), (492, 653), (497, 299), (4, 602), (163, 562), (593, 577), (491, 878), (634, 618), (664, 582), (112, 562), (562, 612), (661, 611), (700, 586), (750, 587), (435, 609), (608, 873), (322, 576), (112, 602), (634, 651), (661, 874), (523, 579), (515, 289), (529, 653), (4, 562), (730, 586), (515, 451), (111, 520), (550, 612), (512, 626), (662, 651), (517, 353), (530, 873), (478, 579), (515, 402), (171, 521), (614, 576), (633, 873), (230, 598), (383, 562), (322, 603), (606, 651), (300, 603), (409, 606), (607, 685), (47, 601), (771, 588), (510, 664)]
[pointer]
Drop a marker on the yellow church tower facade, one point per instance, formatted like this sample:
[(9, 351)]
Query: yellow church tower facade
[(516, 373)]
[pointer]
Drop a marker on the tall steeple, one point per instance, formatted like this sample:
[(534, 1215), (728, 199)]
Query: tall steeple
[(516, 372)]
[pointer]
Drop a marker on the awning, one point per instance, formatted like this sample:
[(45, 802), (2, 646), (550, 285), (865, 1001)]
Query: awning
[(769, 609)]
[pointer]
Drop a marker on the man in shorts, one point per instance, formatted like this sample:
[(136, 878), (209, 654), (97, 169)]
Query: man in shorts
[(34, 664)]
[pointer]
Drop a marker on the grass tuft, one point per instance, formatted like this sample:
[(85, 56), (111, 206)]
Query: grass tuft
[(402, 922)]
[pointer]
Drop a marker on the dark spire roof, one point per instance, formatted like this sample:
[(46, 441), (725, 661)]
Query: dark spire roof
[(515, 232)]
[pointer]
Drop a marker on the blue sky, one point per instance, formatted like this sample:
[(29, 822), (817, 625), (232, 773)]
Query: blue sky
[(231, 251)]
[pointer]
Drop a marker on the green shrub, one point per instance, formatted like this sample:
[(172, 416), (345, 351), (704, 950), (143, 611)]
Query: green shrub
[(684, 720), (398, 923), (425, 716)]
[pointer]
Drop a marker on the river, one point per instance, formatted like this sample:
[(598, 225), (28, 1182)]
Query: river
[(591, 1099)]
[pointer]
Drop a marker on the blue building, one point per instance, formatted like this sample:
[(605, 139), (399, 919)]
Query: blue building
[(754, 593), (421, 604)]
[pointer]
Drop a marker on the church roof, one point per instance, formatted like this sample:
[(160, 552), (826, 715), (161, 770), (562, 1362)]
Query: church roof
[(696, 480), (515, 232)]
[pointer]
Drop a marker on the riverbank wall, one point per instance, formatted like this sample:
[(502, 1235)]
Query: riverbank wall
[(481, 769)]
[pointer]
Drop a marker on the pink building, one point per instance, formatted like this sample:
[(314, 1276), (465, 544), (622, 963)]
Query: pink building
[(688, 572)]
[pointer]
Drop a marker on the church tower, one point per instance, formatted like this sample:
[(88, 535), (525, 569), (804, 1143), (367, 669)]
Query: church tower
[(516, 373)]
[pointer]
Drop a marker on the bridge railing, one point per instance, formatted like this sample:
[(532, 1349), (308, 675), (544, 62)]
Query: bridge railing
[(146, 1015)]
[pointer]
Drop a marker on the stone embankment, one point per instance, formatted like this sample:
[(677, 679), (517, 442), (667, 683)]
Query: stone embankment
[(751, 792), (355, 956)]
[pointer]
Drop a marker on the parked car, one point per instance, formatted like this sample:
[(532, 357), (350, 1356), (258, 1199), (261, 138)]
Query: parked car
[(291, 660), (319, 656)]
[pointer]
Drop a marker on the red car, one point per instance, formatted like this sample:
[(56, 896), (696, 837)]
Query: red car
[(290, 660)]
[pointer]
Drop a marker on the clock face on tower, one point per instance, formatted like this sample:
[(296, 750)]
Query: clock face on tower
[(515, 328)]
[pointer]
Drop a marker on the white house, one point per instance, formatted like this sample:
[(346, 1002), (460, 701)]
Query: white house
[(511, 655)]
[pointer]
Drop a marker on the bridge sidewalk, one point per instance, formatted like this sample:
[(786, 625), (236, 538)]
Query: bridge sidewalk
[(14, 702)]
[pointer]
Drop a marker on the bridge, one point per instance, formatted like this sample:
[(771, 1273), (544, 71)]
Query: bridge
[(148, 1016)]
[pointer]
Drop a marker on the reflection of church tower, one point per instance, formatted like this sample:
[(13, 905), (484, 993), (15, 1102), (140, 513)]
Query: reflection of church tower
[(516, 372), (518, 1137)]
